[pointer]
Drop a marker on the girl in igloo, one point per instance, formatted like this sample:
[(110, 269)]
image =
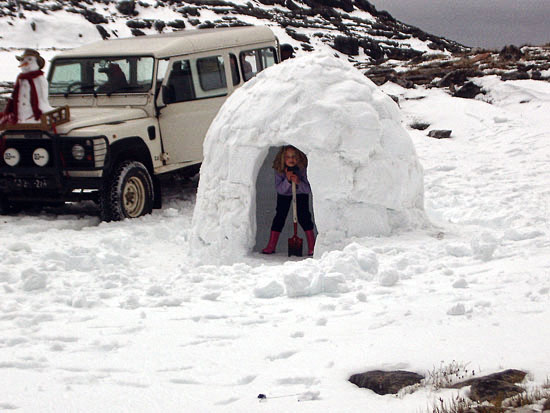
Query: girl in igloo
[(290, 167)]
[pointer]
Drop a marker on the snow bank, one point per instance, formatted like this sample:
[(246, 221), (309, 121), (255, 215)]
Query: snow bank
[(365, 176)]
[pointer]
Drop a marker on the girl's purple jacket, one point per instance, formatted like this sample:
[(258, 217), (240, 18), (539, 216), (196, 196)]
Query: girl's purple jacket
[(284, 186)]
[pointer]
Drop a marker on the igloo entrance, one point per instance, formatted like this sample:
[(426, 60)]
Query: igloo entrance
[(266, 199), (364, 173)]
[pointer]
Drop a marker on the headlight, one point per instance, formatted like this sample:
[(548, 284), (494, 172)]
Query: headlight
[(40, 156), (11, 156), (78, 152)]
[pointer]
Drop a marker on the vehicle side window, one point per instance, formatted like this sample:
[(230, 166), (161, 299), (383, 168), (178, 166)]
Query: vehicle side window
[(192, 79), (212, 74), (254, 61), (234, 69), (267, 55), (180, 83), (64, 75), (249, 64), (161, 70)]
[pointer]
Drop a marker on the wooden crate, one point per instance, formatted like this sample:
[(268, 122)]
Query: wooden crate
[(47, 122)]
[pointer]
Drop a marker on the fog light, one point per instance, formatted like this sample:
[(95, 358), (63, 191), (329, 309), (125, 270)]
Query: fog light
[(78, 152), (11, 156), (40, 156)]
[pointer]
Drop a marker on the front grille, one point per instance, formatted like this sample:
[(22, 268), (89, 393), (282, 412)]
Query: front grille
[(26, 145)]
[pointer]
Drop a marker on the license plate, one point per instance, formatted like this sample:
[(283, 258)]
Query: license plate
[(31, 183)]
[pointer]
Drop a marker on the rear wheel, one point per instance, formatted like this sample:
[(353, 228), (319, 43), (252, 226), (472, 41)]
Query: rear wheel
[(129, 194)]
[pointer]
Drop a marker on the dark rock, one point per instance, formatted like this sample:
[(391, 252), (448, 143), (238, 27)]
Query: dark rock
[(94, 17), (385, 382), (510, 53), (395, 99), (401, 54), (104, 34), (494, 387), (440, 133), (128, 8), (137, 32), (297, 36), (371, 49), (139, 24), (206, 25), (493, 390), (177, 24), (511, 376), (366, 6), (159, 25), (29, 6), (458, 77), (517, 75), (469, 91), (347, 45), (380, 75), (189, 10), (419, 125)]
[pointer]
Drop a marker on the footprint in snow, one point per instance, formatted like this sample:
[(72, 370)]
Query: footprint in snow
[(281, 356), (246, 380), (226, 402), (8, 406)]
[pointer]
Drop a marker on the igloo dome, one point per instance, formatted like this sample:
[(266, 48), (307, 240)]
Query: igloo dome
[(365, 177)]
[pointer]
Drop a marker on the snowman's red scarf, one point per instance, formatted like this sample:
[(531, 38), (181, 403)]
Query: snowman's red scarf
[(34, 96)]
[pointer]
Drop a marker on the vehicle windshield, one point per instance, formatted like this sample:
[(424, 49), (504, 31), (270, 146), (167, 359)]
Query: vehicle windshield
[(101, 75)]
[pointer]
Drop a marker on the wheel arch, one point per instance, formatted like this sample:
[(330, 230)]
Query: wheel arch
[(132, 148)]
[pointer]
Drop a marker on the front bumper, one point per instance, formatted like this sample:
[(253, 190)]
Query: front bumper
[(37, 166)]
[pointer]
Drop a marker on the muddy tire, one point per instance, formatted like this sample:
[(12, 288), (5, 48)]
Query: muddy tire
[(128, 194)]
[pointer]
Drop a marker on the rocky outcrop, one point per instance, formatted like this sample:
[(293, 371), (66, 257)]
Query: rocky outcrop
[(333, 22), (455, 72), (494, 388), (469, 91), (440, 133), (385, 382)]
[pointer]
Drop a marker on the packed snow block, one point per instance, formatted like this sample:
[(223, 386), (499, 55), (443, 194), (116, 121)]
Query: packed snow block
[(364, 173)]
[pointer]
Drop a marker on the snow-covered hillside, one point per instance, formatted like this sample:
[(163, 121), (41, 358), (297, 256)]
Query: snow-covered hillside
[(351, 27), (116, 317)]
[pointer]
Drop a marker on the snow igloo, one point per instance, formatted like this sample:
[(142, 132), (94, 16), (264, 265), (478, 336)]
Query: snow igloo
[(365, 176)]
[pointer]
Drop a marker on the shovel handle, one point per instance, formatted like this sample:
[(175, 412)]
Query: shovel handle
[(294, 211)]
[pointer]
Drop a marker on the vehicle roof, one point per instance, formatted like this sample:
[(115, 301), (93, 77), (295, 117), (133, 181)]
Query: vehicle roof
[(174, 43)]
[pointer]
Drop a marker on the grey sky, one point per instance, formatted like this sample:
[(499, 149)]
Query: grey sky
[(484, 23)]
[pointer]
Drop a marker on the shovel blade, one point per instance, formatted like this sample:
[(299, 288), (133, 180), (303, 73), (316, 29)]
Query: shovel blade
[(295, 244)]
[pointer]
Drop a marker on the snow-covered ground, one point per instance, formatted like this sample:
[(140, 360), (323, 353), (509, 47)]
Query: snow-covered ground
[(117, 317)]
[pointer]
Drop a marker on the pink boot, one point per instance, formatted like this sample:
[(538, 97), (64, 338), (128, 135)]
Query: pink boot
[(310, 242), (270, 249)]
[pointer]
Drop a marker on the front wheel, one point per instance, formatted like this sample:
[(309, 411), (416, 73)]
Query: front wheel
[(129, 194)]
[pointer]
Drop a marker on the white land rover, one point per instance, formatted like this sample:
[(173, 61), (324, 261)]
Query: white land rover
[(139, 107)]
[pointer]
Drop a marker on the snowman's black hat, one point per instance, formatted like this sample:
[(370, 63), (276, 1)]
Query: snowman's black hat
[(31, 52)]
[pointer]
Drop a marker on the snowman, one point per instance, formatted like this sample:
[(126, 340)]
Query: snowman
[(29, 99)]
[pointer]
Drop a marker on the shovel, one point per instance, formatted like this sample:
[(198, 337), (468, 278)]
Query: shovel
[(295, 243)]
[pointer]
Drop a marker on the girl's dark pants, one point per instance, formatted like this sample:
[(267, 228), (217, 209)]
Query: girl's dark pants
[(302, 208)]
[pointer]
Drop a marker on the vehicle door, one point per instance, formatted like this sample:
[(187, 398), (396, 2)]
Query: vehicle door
[(192, 93)]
